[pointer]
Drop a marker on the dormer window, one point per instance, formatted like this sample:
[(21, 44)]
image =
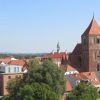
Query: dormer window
[(8, 69)]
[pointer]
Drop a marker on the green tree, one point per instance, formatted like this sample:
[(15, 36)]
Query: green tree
[(47, 73), (83, 92), (53, 76), (42, 82)]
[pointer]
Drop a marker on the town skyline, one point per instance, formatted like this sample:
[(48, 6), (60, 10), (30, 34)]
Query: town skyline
[(37, 26)]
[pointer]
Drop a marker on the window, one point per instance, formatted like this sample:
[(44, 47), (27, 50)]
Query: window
[(9, 77), (98, 67), (96, 55), (14, 69), (98, 39), (19, 76), (8, 69), (17, 69)]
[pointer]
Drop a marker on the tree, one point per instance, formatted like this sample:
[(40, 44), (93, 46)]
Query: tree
[(42, 82), (53, 76), (47, 73), (83, 92)]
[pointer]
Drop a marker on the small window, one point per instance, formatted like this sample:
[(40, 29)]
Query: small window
[(8, 69), (17, 69), (98, 40), (19, 76), (9, 77), (98, 67), (14, 69)]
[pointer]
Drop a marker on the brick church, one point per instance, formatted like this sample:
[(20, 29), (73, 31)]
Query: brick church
[(86, 55)]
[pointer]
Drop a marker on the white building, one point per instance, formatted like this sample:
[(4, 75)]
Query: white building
[(5, 68)]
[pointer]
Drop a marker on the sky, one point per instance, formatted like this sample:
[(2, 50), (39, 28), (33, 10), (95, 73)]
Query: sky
[(36, 26)]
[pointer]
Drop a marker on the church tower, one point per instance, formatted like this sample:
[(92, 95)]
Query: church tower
[(91, 47), (58, 47)]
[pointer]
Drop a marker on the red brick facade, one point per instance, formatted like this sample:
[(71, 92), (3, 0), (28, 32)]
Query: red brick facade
[(4, 79), (86, 56)]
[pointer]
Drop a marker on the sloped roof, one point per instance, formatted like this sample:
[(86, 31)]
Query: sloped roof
[(87, 75), (77, 49), (93, 28), (18, 62), (55, 55), (68, 68), (5, 60)]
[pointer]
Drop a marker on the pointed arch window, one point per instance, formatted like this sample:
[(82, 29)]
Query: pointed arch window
[(98, 39)]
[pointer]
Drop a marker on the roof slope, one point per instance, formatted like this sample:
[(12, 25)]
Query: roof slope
[(55, 55), (77, 49), (18, 62), (93, 28)]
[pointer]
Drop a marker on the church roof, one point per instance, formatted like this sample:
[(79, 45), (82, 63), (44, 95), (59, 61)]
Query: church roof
[(93, 28), (77, 49)]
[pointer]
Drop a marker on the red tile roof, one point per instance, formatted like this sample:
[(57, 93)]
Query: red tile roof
[(5, 60), (68, 68), (56, 55), (18, 62), (87, 76), (93, 28)]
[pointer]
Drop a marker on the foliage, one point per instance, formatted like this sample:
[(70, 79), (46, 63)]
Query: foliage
[(83, 92), (42, 82), (48, 73)]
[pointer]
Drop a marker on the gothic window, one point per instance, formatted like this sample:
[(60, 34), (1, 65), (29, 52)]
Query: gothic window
[(98, 39), (97, 55), (98, 67)]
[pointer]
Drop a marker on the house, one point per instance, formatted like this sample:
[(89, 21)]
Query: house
[(21, 63), (56, 57), (4, 79), (69, 69), (85, 77), (10, 68)]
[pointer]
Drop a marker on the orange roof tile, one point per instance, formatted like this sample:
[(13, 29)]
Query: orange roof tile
[(93, 28), (18, 62), (67, 68), (55, 55), (5, 60), (87, 75)]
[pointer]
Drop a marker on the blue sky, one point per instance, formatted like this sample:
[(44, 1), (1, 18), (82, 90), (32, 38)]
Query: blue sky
[(34, 26)]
